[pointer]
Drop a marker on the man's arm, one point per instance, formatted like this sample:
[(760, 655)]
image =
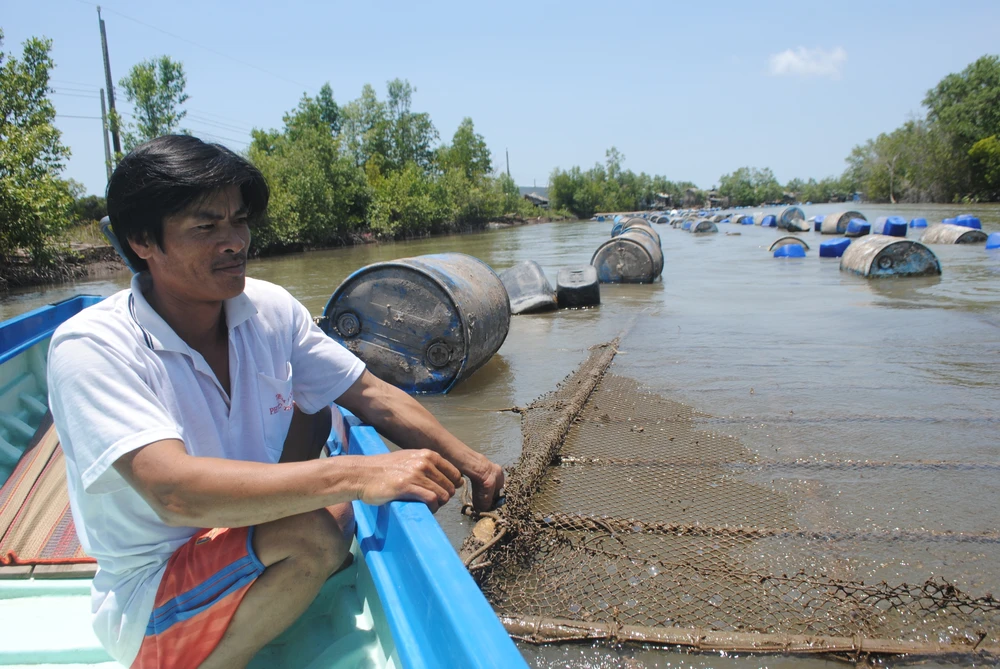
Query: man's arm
[(402, 419), (191, 491)]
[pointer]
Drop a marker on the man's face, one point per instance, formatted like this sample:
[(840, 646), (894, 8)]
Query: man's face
[(203, 258)]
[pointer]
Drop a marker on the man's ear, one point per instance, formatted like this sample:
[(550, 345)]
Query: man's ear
[(143, 246)]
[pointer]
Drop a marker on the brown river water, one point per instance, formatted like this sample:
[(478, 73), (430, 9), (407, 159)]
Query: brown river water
[(799, 360)]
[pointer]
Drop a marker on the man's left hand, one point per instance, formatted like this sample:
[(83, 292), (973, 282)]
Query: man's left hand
[(487, 481)]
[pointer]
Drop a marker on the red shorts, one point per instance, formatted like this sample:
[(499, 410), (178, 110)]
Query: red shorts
[(203, 585)]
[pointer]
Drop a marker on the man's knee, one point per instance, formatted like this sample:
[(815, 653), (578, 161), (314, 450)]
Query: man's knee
[(320, 539)]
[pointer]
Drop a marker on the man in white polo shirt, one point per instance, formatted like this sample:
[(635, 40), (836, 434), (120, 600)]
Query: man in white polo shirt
[(192, 409)]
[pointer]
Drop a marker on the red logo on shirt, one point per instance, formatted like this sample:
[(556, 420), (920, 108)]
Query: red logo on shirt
[(282, 405)]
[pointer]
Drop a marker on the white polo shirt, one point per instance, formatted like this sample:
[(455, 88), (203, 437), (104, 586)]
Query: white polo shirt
[(120, 378)]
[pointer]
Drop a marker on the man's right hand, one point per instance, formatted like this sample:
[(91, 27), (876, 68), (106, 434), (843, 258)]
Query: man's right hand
[(413, 475)]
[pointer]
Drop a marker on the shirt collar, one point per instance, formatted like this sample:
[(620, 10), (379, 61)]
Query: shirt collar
[(155, 331)]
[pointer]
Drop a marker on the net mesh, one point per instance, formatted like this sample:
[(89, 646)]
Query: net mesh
[(626, 521)]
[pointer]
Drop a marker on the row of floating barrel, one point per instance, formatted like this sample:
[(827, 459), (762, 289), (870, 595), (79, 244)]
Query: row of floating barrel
[(874, 256), (426, 323)]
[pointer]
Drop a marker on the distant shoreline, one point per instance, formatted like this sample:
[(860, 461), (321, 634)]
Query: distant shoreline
[(95, 262)]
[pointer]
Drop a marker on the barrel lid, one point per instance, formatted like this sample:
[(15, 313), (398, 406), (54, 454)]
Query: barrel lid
[(993, 241), (968, 221), (840, 244)]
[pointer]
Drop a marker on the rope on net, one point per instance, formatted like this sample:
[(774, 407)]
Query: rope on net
[(822, 615)]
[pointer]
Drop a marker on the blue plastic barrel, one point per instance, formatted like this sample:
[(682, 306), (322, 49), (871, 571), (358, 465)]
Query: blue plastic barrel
[(600, 219), (686, 225), (918, 223), (993, 241), (769, 221), (833, 248), (790, 251), (617, 229), (948, 221), (968, 221), (746, 220), (818, 223), (858, 228), (893, 226)]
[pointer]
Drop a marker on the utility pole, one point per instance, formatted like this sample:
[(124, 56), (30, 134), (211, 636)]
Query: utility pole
[(104, 134), (507, 153), (115, 139)]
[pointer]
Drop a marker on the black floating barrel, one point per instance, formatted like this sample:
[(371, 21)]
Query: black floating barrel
[(705, 225), (792, 218), (836, 224), (946, 233), (578, 287), (878, 256), (631, 257), (424, 323), (528, 288)]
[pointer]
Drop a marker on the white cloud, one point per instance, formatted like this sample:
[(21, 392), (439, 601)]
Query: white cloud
[(804, 62)]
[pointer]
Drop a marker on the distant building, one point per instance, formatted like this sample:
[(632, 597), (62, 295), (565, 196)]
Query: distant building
[(537, 200), (663, 200), (715, 200), (693, 197)]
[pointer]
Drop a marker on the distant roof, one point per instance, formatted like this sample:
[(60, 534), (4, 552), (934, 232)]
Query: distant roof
[(541, 190), (536, 198)]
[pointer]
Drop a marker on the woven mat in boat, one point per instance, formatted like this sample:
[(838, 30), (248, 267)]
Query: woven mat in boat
[(626, 522), (35, 522)]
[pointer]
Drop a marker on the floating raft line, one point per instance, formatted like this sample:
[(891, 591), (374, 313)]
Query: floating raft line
[(539, 630), (568, 521), (683, 551)]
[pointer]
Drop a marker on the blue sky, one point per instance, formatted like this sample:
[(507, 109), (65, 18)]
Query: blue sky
[(688, 90)]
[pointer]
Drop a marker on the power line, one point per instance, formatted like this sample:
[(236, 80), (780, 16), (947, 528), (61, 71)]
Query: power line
[(220, 117), (76, 95), (223, 126), (208, 133), (193, 43), (75, 89), (72, 83), (93, 118)]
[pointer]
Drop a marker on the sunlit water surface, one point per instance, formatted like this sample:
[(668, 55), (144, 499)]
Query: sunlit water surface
[(806, 362)]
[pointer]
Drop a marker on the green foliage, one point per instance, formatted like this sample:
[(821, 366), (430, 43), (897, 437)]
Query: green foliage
[(750, 186), (608, 187), (966, 106), (88, 209), (468, 153), (932, 158), (318, 195), (155, 87), (985, 156), (34, 202), (406, 203), (370, 166), (829, 189)]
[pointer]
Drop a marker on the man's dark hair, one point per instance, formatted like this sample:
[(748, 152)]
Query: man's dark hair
[(168, 174)]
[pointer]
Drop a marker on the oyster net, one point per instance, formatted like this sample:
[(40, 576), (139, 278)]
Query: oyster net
[(625, 521)]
